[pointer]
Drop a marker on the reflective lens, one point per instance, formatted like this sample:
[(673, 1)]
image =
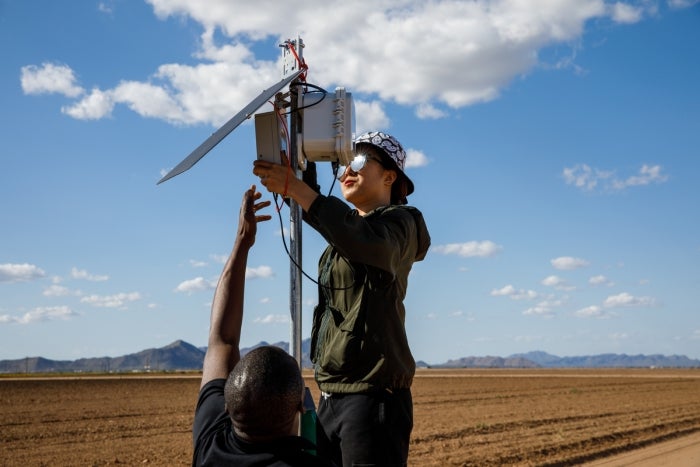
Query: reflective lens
[(356, 165)]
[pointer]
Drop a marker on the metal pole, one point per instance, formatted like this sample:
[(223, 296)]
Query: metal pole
[(307, 422), (295, 221)]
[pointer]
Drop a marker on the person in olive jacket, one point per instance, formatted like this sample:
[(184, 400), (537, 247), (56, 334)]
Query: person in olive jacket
[(363, 363)]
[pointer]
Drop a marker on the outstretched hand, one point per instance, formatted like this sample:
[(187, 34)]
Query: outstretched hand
[(249, 217)]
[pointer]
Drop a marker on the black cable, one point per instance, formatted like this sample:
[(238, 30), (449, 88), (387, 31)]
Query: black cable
[(325, 93), (298, 266), (334, 167), (286, 249), (318, 89)]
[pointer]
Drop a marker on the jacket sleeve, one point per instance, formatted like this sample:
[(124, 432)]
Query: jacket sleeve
[(384, 239)]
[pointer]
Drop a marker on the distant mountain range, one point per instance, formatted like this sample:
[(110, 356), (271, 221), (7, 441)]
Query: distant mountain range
[(610, 360), (181, 356), (178, 356)]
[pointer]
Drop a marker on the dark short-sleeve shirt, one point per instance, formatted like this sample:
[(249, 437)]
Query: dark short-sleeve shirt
[(215, 443)]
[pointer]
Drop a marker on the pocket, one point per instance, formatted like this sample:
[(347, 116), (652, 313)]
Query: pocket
[(342, 340), (316, 331)]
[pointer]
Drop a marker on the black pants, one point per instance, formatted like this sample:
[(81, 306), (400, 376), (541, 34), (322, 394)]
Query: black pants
[(365, 429)]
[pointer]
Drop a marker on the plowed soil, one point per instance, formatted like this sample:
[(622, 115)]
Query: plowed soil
[(462, 417)]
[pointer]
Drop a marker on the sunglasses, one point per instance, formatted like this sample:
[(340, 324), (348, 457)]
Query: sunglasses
[(357, 164)]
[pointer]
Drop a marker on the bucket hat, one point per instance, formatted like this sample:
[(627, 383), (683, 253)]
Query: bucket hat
[(392, 148)]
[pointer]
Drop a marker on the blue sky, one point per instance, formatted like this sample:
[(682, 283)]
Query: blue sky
[(554, 148)]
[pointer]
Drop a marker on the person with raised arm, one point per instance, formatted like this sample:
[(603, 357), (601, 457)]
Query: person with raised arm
[(248, 408)]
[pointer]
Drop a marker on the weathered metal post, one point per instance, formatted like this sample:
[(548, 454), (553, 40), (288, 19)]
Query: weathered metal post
[(295, 216)]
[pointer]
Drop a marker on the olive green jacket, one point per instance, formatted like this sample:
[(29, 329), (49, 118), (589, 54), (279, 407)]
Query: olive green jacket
[(358, 338)]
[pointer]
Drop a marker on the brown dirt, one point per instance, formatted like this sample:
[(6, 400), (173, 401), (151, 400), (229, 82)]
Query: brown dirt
[(462, 417)]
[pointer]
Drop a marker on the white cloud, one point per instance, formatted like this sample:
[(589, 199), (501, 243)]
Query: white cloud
[(94, 106), (49, 78), (557, 282), (427, 111), (83, 274), (625, 13), (149, 100), (589, 179), (600, 280), (647, 175), (593, 311), (415, 158), (103, 7), (263, 272), (624, 299), (539, 310), (10, 272), (503, 291), (280, 232), (679, 4), (218, 258), (614, 301), (483, 249), (384, 50), (370, 116), (56, 290), (513, 293), (111, 301), (584, 177), (545, 308), (567, 263), (198, 264), (552, 281), (40, 314), (272, 319), (197, 284)]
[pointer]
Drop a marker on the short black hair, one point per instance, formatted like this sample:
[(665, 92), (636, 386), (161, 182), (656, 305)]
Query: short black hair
[(263, 392)]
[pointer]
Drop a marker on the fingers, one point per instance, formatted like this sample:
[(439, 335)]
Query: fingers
[(250, 197), (262, 168), (272, 176), (258, 206)]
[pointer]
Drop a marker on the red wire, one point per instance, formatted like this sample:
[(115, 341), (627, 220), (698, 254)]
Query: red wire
[(302, 78), (302, 63), (283, 121)]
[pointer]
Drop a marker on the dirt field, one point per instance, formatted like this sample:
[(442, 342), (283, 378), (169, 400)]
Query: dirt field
[(462, 417)]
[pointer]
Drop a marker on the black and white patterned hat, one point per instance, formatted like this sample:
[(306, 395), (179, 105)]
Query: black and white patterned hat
[(391, 148)]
